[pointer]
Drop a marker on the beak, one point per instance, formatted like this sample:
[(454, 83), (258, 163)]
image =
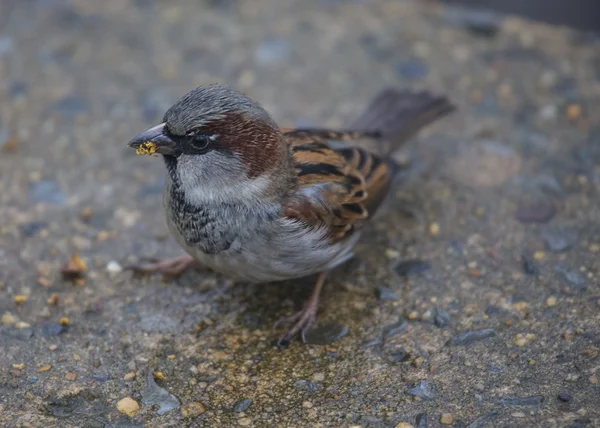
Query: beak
[(155, 135)]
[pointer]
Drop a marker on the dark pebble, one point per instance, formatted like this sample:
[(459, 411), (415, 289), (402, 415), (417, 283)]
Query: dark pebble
[(468, 337), (565, 397), (563, 359), (421, 420), (411, 267), (71, 106), (326, 334), (243, 405), (442, 318), (534, 400), (456, 246), (306, 385), (30, 229), (483, 421), (46, 191), (580, 422), (394, 329), (386, 294), (32, 380), (529, 266), (424, 390), (52, 329), (494, 369), (560, 239), (572, 277), (371, 343), (536, 212), (413, 69), (400, 356), (482, 22), (101, 377), (131, 308)]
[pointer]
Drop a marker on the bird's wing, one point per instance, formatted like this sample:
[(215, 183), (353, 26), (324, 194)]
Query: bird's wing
[(337, 189)]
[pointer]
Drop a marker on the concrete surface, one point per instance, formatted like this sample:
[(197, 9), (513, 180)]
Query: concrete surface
[(474, 300)]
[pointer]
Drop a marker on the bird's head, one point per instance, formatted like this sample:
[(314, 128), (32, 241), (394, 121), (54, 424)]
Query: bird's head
[(217, 142)]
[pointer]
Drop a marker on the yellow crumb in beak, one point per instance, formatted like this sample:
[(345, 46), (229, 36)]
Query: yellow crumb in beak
[(147, 148)]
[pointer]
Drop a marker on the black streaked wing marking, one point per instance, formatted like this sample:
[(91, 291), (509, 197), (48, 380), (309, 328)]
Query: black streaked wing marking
[(355, 208), (318, 168)]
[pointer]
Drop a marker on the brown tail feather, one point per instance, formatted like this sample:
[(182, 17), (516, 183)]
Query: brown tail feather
[(398, 115)]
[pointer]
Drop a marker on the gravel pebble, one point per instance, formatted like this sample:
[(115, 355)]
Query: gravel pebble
[(128, 406), (424, 390), (469, 337), (533, 400), (421, 420), (306, 385), (154, 395), (192, 410), (386, 294), (560, 239), (541, 211), (394, 329), (242, 405), (411, 267), (441, 318), (446, 419), (572, 277), (565, 397), (483, 421)]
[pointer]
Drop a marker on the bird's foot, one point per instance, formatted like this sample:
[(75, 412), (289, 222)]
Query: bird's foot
[(302, 321), (170, 267)]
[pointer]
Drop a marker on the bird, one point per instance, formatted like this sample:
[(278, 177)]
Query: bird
[(260, 203)]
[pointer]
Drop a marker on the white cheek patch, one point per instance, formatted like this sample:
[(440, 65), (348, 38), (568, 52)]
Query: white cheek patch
[(213, 179)]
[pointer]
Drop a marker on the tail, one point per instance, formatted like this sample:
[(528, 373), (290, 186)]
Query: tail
[(397, 115)]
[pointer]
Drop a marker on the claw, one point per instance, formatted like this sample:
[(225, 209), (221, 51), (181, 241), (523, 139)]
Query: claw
[(301, 322)]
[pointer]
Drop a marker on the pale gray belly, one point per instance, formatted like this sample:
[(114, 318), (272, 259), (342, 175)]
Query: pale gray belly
[(276, 251)]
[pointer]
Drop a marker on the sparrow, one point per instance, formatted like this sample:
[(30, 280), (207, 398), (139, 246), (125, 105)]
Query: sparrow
[(259, 203)]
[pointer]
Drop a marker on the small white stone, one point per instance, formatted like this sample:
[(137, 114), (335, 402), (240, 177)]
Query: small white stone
[(114, 267)]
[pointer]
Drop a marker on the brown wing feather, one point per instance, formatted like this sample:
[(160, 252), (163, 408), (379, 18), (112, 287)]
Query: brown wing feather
[(377, 173), (333, 192)]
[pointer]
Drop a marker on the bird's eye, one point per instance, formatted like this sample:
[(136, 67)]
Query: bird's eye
[(199, 141)]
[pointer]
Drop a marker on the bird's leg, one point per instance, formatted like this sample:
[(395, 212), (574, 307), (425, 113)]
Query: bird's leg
[(305, 319), (169, 267)]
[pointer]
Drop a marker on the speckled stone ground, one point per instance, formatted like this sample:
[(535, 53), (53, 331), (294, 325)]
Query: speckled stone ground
[(473, 301)]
